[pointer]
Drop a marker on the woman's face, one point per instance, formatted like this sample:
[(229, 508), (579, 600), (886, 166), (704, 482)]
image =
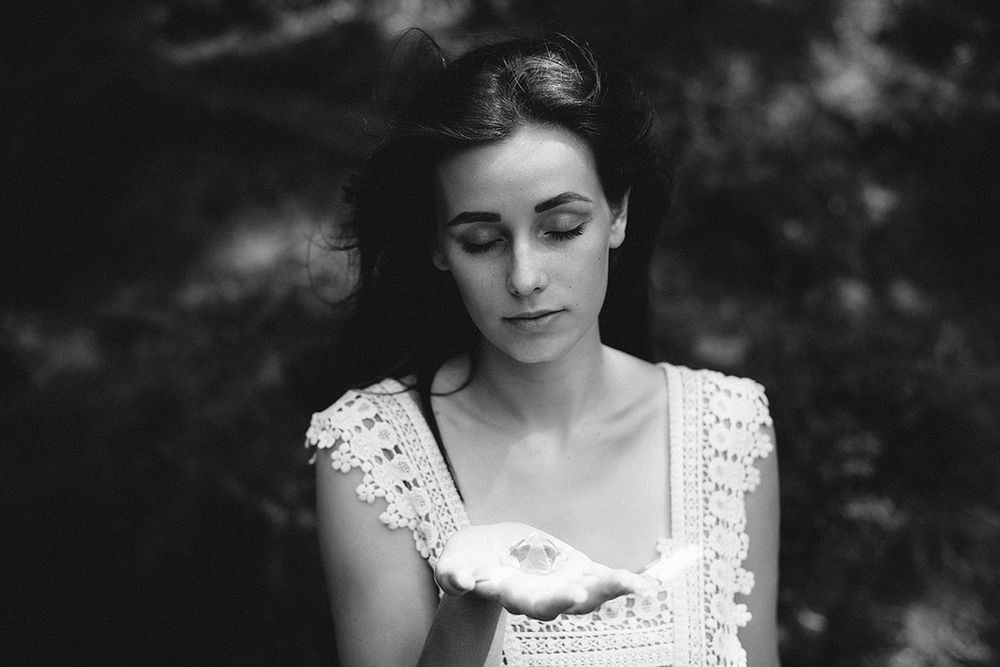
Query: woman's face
[(525, 232)]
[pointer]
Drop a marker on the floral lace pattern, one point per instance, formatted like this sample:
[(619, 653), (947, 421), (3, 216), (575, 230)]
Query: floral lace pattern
[(717, 431), (382, 432), (723, 430)]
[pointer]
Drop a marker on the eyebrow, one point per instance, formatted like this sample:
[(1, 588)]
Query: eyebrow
[(560, 199), (473, 216), (486, 216)]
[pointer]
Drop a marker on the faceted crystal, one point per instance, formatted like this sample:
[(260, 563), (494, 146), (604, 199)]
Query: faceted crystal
[(536, 554)]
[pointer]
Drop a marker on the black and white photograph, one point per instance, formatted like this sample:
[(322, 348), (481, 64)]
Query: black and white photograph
[(500, 332)]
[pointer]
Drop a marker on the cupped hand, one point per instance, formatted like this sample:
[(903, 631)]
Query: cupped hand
[(473, 560)]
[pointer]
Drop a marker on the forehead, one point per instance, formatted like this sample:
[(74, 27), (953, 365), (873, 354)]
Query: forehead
[(532, 164)]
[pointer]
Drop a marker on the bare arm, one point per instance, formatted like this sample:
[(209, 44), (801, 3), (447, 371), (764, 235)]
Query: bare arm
[(464, 632), (760, 637), (382, 594), (384, 600)]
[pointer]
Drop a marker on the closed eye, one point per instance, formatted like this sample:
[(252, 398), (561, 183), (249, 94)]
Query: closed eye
[(555, 234), (480, 248), (565, 235)]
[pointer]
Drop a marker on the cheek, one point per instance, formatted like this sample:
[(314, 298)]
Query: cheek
[(474, 284), (592, 279), (595, 263)]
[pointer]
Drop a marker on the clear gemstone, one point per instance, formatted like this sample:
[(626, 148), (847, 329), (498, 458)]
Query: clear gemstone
[(536, 554)]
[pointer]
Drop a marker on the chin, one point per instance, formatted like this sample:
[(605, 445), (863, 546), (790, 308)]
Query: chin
[(539, 352), (534, 358)]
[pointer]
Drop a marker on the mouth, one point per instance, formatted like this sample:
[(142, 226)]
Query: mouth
[(534, 319), (533, 315)]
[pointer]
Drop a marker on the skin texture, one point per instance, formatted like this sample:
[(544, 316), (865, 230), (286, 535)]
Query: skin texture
[(555, 433), (578, 586), (528, 265), (760, 637)]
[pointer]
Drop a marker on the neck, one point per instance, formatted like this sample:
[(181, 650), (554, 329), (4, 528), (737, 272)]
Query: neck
[(550, 395)]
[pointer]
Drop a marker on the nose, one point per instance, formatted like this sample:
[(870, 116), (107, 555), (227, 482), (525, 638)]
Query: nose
[(527, 272)]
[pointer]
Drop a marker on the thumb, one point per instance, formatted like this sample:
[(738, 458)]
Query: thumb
[(454, 579)]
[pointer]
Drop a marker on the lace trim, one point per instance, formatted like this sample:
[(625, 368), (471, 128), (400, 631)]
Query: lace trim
[(716, 434), (380, 431), (724, 422)]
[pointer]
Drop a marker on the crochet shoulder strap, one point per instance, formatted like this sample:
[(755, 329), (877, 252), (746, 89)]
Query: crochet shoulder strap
[(724, 428), (381, 431)]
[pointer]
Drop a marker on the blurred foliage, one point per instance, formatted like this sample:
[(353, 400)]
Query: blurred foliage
[(164, 331)]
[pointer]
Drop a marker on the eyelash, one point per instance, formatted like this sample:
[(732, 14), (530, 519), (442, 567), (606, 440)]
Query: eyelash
[(482, 248), (477, 248), (568, 234)]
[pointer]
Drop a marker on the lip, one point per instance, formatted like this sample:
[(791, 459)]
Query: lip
[(533, 320), (533, 315)]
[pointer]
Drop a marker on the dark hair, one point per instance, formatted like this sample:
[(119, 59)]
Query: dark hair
[(408, 317)]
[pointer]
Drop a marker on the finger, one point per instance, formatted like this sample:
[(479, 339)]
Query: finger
[(455, 583), (488, 581), (582, 601), (593, 599), (577, 595), (632, 582), (670, 568), (599, 590), (539, 600), (455, 580), (613, 582), (608, 585), (625, 581), (546, 608)]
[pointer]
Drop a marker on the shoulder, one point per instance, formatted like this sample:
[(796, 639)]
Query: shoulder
[(367, 398), (355, 413), (380, 586), (720, 382), (380, 433), (736, 444), (738, 401), (381, 590), (639, 371)]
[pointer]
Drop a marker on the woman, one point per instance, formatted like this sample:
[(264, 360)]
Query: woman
[(570, 503)]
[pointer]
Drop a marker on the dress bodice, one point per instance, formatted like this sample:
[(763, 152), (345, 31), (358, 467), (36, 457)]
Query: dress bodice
[(717, 431)]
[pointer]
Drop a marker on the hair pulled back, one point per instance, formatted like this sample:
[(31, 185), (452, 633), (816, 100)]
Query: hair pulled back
[(408, 316)]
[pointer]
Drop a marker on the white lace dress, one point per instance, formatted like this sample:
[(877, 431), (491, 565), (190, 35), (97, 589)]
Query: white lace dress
[(717, 432)]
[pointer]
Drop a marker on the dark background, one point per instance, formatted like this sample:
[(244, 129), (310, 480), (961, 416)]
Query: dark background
[(169, 169)]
